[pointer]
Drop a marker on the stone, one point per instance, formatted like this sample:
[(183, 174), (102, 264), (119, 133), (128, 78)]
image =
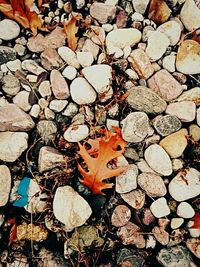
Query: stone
[(144, 99), (77, 210), (43, 103), (148, 217), (69, 56), (129, 258), (185, 185), (50, 158), (190, 15), (5, 184), (12, 118), (163, 166), (160, 208), (172, 30), (190, 95), (131, 153), (50, 59), (69, 73), (97, 35), (22, 100), (32, 66), (155, 50), (76, 133), (9, 29), (71, 110), (102, 13), (47, 130), (193, 244), (185, 210), (176, 222), (165, 85), (198, 116), (12, 145), (10, 85), (45, 89), (161, 235), (59, 85), (188, 57), (185, 110), (20, 49), (58, 105), (35, 111), (159, 12), (49, 114), (14, 65), (135, 127), (144, 167), (120, 216), (177, 164), (141, 64), (85, 59), (152, 184), (91, 47), (140, 6), (169, 63), (6, 54), (127, 181), (194, 132), (82, 92), (167, 124), (135, 198)]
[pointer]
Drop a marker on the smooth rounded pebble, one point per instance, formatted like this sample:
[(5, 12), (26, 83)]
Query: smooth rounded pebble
[(185, 110), (69, 72), (9, 29), (76, 133), (166, 125), (5, 184), (160, 208), (121, 215), (176, 222), (185, 210)]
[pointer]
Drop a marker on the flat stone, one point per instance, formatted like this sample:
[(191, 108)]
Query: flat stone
[(152, 184), (172, 30), (45, 89), (102, 13), (12, 118), (69, 56), (14, 65), (6, 54), (162, 166), (135, 198), (159, 12), (190, 95), (12, 145), (135, 127), (185, 185), (70, 73), (193, 244), (185, 110), (127, 181), (167, 124), (9, 29), (188, 57), (5, 184), (32, 66), (176, 223), (160, 208), (47, 130), (35, 111), (169, 63), (85, 59), (120, 216), (76, 133), (155, 50), (190, 15), (141, 64), (185, 210), (165, 85), (58, 105), (59, 85), (22, 100), (50, 158), (140, 6), (50, 59), (10, 85), (175, 143), (82, 92), (144, 167), (144, 99), (77, 210)]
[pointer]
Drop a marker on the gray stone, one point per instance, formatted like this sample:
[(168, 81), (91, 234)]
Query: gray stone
[(127, 181), (47, 130), (6, 54), (166, 125), (10, 84), (5, 185), (131, 153), (135, 198), (32, 66), (9, 29)]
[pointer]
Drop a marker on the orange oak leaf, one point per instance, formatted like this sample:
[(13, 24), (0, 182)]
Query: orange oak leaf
[(109, 147), (196, 220)]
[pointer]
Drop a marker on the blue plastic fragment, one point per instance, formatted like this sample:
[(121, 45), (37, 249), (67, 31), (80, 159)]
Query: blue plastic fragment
[(22, 192)]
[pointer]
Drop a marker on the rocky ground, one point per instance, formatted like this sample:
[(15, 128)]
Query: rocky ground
[(118, 82)]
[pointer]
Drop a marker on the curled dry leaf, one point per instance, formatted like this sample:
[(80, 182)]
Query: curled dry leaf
[(196, 221)]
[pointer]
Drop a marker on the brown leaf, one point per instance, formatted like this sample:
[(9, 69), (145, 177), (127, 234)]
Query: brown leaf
[(41, 77), (13, 231), (196, 220)]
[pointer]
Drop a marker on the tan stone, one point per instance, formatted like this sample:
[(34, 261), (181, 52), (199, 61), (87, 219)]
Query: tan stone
[(159, 11)]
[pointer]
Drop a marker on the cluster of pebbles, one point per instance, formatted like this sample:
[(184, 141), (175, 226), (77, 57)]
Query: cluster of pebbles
[(140, 48)]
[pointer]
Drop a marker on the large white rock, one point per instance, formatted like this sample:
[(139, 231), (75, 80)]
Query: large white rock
[(76, 133), (9, 29), (160, 208), (5, 184), (190, 15), (185, 210), (70, 208), (172, 30), (127, 181), (185, 185)]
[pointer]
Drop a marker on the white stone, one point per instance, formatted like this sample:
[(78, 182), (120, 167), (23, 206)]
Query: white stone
[(49, 114), (190, 15), (31, 78), (144, 167), (32, 66), (71, 110), (172, 30), (132, 74), (137, 17), (9, 29), (58, 105), (150, 242), (176, 222), (69, 56), (155, 49), (140, 6), (45, 89), (185, 210), (194, 232), (82, 92), (85, 59), (185, 110), (22, 100), (185, 185), (70, 208), (169, 63), (35, 111), (160, 208), (5, 184), (111, 123), (12, 145), (76, 133), (198, 116), (14, 65), (127, 181), (69, 72)]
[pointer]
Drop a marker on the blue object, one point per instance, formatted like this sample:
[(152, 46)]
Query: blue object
[(23, 193)]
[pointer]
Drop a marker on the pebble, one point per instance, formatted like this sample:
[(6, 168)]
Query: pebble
[(165, 85), (32, 66), (50, 59), (140, 6), (193, 244), (45, 89), (5, 184), (159, 13), (9, 29), (172, 30), (167, 124), (120, 216), (57, 105), (22, 100), (47, 130), (102, 13), (76, 133), (69, 56), (20, 49), (144, 99), (12, 118), (12, 145), (160, 208), (85, 59), (10, 85), (150, 242), (185, 110), (185, 210), (169, 63), (161, 235), (14, 65), (188, 57), (164, 165), (43, 103), (91, 47), (82, 92), (198, 116), (77, 210), (152, 184), (137, 17), (176, 223), (121, 38), (155, 50), (6, 54), (70, 73), (71, 110), (190, 95), (50, 158), (135, 198), (135, 127), (127, 181), (59, 85), (49, 114), (194, 132), (35, 111), (148, 217), (144, 167), (177, 164), (190, 15)]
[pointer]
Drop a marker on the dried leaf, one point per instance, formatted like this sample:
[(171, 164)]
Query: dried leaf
[(41, 77), (196, 220), (110, 147), (40, 2), (13, 231)]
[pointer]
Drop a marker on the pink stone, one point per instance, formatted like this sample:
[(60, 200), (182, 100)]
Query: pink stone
[(50, 59), (59, 85), (165, 85), (121, 215), (185, 110)]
